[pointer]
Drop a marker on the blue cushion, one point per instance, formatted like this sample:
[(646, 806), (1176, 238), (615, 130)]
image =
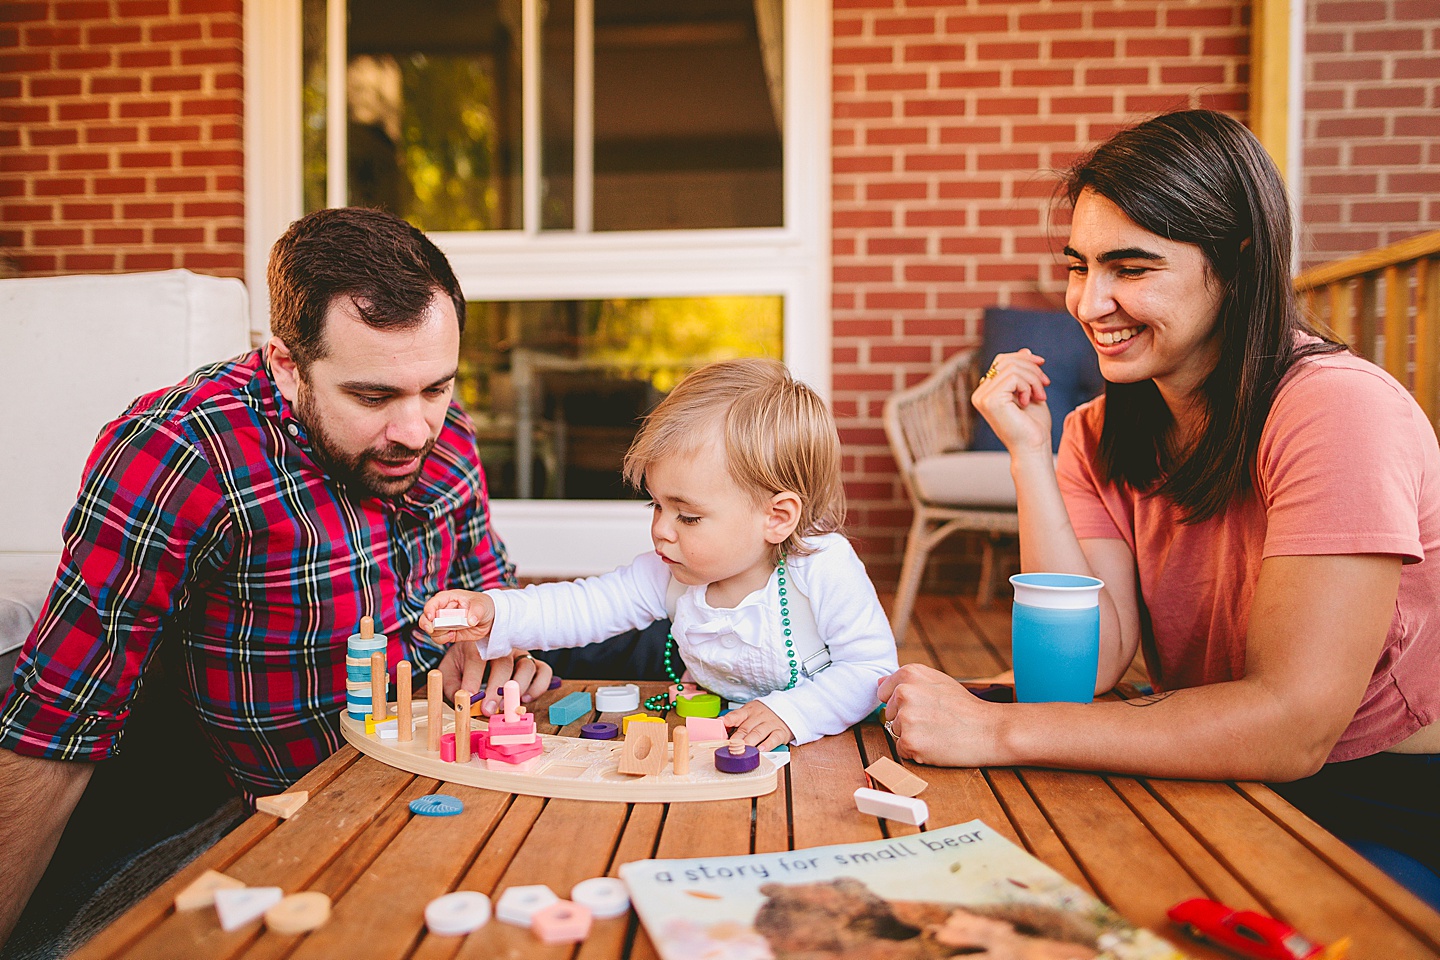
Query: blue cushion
[(1070, 362)]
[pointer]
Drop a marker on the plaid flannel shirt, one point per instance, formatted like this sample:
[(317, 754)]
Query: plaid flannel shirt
[(202, 523)]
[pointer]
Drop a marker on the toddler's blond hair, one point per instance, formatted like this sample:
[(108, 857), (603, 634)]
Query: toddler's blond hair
[(778, 435)]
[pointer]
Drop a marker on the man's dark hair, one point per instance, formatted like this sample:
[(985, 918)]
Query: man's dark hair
[(1200, 177), (386, 267)]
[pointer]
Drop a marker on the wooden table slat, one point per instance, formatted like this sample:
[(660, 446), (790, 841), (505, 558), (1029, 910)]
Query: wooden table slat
[(822, 795)]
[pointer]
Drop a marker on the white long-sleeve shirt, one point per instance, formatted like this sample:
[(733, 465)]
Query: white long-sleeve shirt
[(737, 652)]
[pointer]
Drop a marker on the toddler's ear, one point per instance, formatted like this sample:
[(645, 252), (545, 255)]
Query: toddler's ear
[(782, 516)]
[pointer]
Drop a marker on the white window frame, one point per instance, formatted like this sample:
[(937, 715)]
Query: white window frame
[(549, 537)]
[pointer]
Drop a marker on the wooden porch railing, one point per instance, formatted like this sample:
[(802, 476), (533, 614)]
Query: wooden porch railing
[(1386, 304)]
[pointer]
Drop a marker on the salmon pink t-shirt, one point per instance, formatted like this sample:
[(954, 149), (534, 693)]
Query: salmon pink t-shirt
[(1347, 464)]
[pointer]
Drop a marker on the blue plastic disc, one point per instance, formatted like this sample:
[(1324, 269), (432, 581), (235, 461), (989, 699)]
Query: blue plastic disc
[(436, 805)]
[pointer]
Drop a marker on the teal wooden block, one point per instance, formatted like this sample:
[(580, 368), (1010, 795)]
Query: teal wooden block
[(569, 709)]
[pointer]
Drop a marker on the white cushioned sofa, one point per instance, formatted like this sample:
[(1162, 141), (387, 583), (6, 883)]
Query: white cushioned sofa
[(77, 350)]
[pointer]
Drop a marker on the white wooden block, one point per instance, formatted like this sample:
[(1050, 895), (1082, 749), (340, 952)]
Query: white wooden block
[(878, 803), (451, 618), (619, 699), (518, 905), (458, 913), (238, 907)]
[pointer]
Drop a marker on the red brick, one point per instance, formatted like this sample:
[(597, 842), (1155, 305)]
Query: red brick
[(1387, 41), (71, 237), (116, 185), (936, 161), (1390, 97), (897, 191), (969, 79), (1149, 47), (861, 218), (1123, 19), (970, 133), (879, 163), (1385, 154), (199, 56), (144, 8), (229, 264), (172, 32), (1008, 217), (1156, 102), (179, 82), (62, 187), (27, 212), (137, 59), (17, 12), (53, 137), (1200, 17), (24, 113), (847, 27), (115, 235), (861, 110), (898, 353), (84, 111), (210, 6), (83, 161), (33, 264), (852, 55), (1414, 68), (139, 109), (149, 261), (146, 160), (1083, 49), (892, 136), (1417, 125), (210, 106), (1044, 133), (212, 208), (894, 300), (89, 262), (185, 184), (1412, 182), (225, 182), (167, 133), (1393, 211), (971, 188), (1007, 106), (83, 10), (904, 26), (111, 135), (1023, 51), (866, 274), (24, 62), (1350, 127), (85, 60), (1043, 78), (1057, 20), (1196, 74), (52, 36), (228, 81), (1234, 46), (935, 107), (148, 210), (87, 211), (934, 52), (179, 234), (114, 84), (1002, 272), (896, 81), (895, 246), (111, 34), (935, 273), (971, 23), (235, 235), (1319, 42)]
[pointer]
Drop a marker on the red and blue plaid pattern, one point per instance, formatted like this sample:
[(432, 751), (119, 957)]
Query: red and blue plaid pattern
[(203, 523)]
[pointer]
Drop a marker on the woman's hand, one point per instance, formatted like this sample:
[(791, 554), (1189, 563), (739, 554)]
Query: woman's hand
[(479, 610), (1012, 401), (937, 721)]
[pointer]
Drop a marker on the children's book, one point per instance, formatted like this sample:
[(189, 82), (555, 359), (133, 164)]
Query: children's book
[(959, 891)]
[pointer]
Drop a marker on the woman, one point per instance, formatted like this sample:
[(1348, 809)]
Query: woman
[(1257, 500)]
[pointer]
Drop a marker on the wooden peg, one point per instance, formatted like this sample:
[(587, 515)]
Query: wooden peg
[(434, 700), (737, 746), (402, 700), (681, 739), (379, 705), (367, 628), (462, 726), (512, 701)]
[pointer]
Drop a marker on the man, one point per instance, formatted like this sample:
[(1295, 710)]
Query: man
[(232, 530)]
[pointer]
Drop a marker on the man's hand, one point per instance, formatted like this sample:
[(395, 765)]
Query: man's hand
[(758, 726), (464, 669)]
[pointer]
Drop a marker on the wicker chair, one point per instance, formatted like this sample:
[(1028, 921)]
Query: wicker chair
[(951, 488)]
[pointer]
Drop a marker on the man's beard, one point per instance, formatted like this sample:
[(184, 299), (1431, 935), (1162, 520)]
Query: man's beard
[(355, 470)]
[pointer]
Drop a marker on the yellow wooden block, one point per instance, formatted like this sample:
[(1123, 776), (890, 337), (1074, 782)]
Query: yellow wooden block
[(638, 718), (201, 893), (282, 805)]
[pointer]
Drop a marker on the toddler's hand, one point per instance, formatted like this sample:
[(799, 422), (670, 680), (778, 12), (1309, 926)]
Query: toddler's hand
[(479, 608), (758, 726)]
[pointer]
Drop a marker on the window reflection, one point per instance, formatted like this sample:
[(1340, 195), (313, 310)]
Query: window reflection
[(557, 388)]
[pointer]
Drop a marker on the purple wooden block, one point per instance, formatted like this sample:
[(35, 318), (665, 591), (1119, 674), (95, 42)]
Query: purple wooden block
[(600, 731), (555, 683), (726, 762)]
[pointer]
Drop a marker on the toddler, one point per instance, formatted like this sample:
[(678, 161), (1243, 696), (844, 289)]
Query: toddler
[(768, 602)]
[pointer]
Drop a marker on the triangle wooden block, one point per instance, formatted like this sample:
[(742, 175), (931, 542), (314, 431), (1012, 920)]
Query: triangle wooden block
[(895, 778), (201, 893), (282, 805)]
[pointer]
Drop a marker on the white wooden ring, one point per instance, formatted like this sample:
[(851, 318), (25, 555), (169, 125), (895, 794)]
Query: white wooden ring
[(604, 897)]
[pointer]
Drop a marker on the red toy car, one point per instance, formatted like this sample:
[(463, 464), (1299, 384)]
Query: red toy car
[(1250, 934)]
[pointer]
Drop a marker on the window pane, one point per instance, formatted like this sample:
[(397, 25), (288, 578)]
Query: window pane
[(571, 378), (312, 103), (557, 116), (688, 114), (434, 105)]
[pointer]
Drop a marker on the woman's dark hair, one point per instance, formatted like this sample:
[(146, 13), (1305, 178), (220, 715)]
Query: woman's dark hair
[(1200, 177), (386, 267)]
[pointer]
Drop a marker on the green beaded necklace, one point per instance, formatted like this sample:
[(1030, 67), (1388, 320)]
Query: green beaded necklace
[(662, 700)]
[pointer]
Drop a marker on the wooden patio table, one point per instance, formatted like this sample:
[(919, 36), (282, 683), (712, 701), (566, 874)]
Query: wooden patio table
[(1140, 845)]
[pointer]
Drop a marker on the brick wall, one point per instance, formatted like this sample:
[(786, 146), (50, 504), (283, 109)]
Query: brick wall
[(1372, 125), (120, 136), (946, 117)]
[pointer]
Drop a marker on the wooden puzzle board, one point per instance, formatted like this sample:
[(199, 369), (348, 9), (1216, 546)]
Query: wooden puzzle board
[(569, 768)]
